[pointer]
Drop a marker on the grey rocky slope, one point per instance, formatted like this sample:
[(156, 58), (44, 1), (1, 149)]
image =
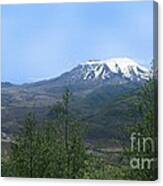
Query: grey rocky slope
[(95, 85)]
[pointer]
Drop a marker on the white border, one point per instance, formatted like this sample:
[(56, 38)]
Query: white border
[(57, 182)]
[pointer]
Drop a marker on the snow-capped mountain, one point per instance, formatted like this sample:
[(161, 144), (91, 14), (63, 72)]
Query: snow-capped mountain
[(93, 84), (123, 67), (113, 70)]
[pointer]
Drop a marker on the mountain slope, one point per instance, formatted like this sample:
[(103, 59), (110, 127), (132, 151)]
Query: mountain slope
[(122, 67), (95, 72), (98, 88)]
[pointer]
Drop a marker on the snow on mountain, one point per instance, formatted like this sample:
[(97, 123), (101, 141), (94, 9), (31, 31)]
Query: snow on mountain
[(122, 68), (94, 72)]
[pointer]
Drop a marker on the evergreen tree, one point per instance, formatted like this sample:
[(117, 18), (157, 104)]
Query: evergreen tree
[(56, 149), (23, 155), (145, 129)]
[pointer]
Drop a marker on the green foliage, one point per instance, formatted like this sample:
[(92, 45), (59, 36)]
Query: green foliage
[(146, 128), (55, 149), (23, 151)]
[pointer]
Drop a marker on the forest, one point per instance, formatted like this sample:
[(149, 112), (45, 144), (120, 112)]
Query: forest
[(57, 147)]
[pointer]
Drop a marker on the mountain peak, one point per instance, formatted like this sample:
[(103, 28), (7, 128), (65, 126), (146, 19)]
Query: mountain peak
[(115, 67), (124, 60)]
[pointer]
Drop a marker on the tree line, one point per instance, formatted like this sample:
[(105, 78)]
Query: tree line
[(56, 148)]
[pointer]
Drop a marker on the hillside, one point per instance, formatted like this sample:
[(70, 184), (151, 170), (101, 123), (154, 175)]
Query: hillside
[(103, 97)]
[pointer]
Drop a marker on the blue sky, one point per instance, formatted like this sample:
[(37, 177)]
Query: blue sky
[(41, 41)]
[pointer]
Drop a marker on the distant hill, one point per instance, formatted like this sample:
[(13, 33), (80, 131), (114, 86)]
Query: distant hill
[(104, 93)]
